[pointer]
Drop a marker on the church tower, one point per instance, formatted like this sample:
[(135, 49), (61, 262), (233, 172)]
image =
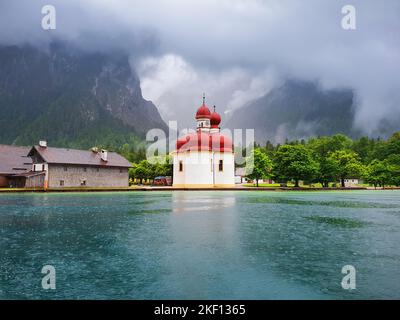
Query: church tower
[(203, 116)]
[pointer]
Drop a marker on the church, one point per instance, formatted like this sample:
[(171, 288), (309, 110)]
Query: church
[(204, 159)]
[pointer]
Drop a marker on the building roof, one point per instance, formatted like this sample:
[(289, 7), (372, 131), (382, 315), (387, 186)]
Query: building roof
[(14, 160), (79, 157), (203, 112), (215, 119), (203, 141)]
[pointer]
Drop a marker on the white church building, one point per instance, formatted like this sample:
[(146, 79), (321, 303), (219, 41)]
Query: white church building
[(205, 158)]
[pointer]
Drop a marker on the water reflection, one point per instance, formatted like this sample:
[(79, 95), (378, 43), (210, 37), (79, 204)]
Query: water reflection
[(194, 245), (198, 201)]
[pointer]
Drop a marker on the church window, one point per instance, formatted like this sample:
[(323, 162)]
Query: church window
[(221, 165)]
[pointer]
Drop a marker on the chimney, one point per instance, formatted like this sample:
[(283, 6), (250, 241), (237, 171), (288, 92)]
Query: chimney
[(43, 143), (104, 155)]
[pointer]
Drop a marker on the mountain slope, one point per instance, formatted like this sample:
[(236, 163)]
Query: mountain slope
[(297, 109), (71, 98)]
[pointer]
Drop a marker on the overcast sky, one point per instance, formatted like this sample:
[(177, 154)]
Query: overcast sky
[(234, 50)]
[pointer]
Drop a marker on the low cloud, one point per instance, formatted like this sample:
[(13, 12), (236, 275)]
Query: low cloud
[(234, 50), (176, 87)]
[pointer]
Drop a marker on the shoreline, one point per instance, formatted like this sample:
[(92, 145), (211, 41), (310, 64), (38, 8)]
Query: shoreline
[(169, 188)]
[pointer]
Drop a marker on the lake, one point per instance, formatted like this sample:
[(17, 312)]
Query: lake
[(200, 244)]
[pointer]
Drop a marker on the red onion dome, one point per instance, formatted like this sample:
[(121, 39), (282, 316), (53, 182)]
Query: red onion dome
[(215, 119), (203, 112)]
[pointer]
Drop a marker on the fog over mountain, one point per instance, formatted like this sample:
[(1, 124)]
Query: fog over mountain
[(71, 98), (297, 110), (236, 51)]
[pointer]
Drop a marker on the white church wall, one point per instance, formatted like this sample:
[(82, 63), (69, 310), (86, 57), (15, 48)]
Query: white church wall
[(178, 177), (198, 169), (226, 177)]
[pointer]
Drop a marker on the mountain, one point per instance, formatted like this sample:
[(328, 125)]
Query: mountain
[(71, 98), (297, 109)]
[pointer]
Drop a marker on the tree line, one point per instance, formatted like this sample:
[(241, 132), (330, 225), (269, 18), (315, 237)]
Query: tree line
[(324, 160), (148, 170), (328, 160)]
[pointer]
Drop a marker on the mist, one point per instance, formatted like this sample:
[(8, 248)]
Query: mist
[(233, 50)]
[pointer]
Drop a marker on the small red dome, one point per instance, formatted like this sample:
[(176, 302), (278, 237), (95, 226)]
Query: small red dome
[(203, 112), (215, 119)]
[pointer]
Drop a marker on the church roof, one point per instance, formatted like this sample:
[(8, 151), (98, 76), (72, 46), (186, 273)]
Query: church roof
[(204, 141), (215, 119), (203, 112)]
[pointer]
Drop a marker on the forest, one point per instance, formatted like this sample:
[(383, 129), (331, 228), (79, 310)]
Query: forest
[(328, 160)]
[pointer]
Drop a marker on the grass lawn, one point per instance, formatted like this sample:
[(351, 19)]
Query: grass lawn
[(290, 185), (271, 185)]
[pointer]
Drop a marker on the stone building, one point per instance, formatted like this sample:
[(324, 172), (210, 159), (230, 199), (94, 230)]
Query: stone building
[(44, 167), (65, 168), (205, 158)]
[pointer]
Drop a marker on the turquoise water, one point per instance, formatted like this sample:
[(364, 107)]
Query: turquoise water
[(200, 245)]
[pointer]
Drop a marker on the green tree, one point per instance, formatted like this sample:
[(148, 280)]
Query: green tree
[(348, 164), (340, 142), (393, 144), (258, 165), (378, 173), (142, 170), (322, 147), (364, 147), (294, 162), (393, 162), (328, 171)]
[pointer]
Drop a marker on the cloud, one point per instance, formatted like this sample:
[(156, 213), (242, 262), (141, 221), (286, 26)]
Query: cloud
[(234, 50), (176, 86)]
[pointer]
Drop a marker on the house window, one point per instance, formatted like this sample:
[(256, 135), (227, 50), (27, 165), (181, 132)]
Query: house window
[(84, 169), (120, 170), (61, 183), (83, 182), (221, 165), (97, 169), (180, 166), (65, 169), (42, 167)]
